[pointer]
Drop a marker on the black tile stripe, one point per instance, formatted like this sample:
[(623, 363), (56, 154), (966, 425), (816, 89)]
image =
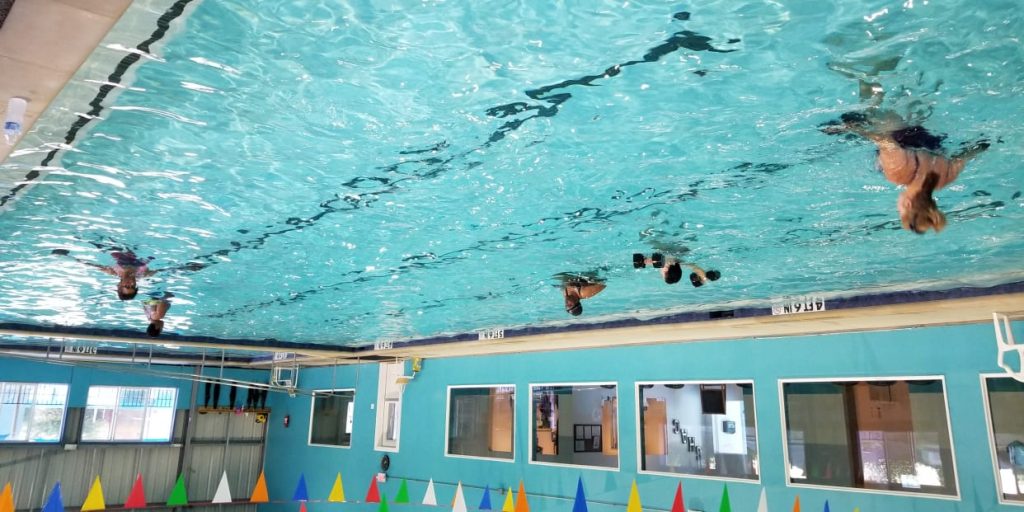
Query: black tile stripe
[(162, 25)]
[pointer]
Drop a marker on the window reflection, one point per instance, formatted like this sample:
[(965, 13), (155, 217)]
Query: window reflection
[(480, 421), (1006, 406), (576, 424), (331, 419), (699, 429), (885, 435)]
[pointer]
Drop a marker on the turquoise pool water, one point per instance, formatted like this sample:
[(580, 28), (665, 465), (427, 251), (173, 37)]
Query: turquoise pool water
[(371, 170)]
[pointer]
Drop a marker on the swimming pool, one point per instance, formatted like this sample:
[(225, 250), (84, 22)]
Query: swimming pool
[(399, 170)]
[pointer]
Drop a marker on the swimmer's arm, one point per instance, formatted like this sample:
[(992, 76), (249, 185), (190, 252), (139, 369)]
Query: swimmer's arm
[(589, 290), (101, 268), (191, 266)]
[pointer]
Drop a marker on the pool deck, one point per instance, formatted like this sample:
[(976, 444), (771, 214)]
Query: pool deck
[(43, 43)]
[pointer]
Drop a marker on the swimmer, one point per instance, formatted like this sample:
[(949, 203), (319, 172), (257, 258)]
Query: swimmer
[(672, 269), (576, 287), (156, 307), (128, 268), (908, 155)]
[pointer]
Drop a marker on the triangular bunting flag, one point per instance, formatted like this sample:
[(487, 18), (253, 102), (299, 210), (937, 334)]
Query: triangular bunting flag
[(54, 503), (460, 501), (259, 493), (373, 494), (762, 506), (677, 503), (302, 506), (137, 496), (725, 506), (826, 506), (580, 505), (337, 492), (429, 498), (94, 500), (510, 505), (301, 494), (403, 493), (179, 496), (223, 494), (634, 500), (7, 499), (796, 504), (485, 501), (521, 504), (383, 504)]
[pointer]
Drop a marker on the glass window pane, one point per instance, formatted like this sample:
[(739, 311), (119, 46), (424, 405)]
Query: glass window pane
[(159, 422), (331, 420), (480, 421), (97, 424), (1006, 405), (129, 414), (883, 435), (576, 424), (31, 412), (695, 429)]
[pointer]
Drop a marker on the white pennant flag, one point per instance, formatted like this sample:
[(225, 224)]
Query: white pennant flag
[(763, 505), (223, 494), (460, 501), (430, 498)]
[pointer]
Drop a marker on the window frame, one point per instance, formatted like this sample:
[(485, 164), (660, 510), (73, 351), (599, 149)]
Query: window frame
[(312, 409), (117, 407), (63, 414), (990, 433), (532, 425), (757, 432), (949, 427), (448, 418), (381, 406)]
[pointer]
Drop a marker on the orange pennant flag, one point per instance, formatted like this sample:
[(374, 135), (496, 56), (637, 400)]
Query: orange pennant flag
[(521, 504), (259, 493)]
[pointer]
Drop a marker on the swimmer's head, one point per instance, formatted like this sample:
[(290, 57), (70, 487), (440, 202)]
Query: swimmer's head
[(672, 272), (918, 212), (155, 327), (127, 288), (713, 275), (574, 307)]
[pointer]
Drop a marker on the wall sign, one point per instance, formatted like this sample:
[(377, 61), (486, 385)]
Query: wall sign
[(490, 334), (383, 344), (81, 349), (799, 304)]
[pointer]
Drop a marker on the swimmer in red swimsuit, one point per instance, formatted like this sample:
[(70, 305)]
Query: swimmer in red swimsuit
[(128, 268)]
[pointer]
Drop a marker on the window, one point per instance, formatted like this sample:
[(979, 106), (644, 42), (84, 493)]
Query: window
[(481, 421), (886, 435), (575, 424), (330, 421), (389, 406), (702, 429), (1005, 400), (129, 414), (32, 413)]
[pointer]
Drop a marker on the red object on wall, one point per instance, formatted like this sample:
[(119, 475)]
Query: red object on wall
[(137, 497), (287, 420), (372, 494)]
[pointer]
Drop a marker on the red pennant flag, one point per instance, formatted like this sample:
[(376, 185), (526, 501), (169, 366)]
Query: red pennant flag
[(302, 506), (137, 496), (677, 504), (372, 494)]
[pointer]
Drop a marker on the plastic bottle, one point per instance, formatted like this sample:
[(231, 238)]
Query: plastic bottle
[(15, 119)]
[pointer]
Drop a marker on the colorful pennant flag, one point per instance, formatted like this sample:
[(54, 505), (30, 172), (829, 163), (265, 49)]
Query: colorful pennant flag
[(796, 504), (762, 506), (510, 505), (677, 503), (301, 494), (429, 498), (403, 493), (580, 505), (94, 500), (179, 496), (337, 491), (522, 505), (373, 493), (302, 506), (259, 493), (383, 504), (7, 499), (460, 501), (137, 496), (634, 500), (725, 506), (54, 503), (826, 506), (223, 494), (485, 501)]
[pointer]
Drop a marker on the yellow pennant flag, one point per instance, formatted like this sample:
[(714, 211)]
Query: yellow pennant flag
[(94, 501), (510, 505), (7, 499), (337, 492), (634, 500)]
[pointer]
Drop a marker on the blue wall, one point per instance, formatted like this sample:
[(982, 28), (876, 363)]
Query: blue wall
[(959, 353)]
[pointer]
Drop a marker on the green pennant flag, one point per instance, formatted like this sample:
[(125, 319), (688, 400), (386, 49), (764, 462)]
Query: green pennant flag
[(383, 504), (403, 493), (179, 497), (725, 507)]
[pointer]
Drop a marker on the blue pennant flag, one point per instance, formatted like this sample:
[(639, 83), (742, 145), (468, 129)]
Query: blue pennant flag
[(485, 502), (826, 506), (301, 494), (54, 503), (581, 501)]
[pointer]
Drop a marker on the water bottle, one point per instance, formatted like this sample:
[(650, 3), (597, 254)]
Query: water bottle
[(14, 119)]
